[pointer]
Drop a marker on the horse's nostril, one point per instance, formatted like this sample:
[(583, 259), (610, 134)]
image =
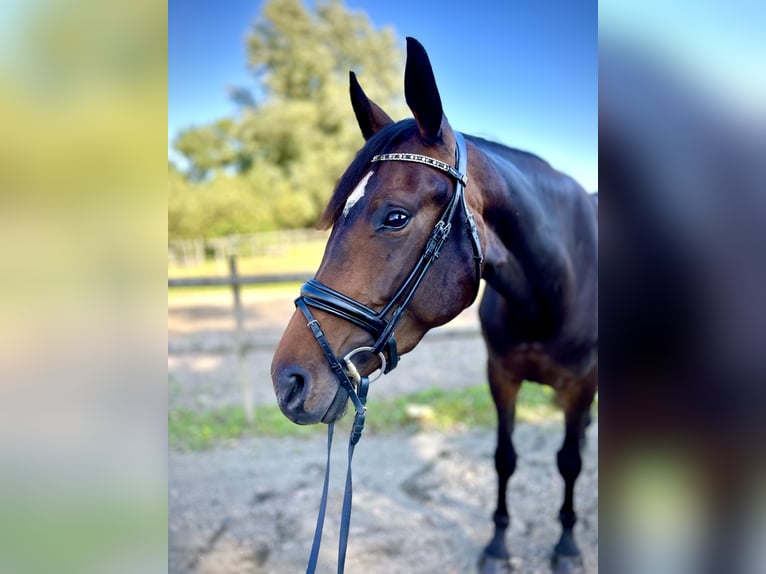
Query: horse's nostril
[(294, 384), (295, 379)]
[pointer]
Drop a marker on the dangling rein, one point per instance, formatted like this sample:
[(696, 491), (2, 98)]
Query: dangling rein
[(363, 384)]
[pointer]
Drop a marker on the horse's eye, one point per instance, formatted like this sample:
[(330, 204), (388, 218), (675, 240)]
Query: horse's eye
[(396, 219)]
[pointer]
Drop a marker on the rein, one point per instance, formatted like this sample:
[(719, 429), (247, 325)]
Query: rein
[(380, 325)]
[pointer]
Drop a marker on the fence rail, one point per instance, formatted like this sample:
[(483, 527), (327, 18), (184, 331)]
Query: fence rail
[(235, 280), (188, 252), (232, 280)]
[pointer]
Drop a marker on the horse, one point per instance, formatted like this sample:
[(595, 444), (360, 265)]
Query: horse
[(421, 215)]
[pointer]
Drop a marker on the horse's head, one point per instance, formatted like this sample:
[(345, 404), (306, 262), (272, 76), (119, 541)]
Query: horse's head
[(392, 216)]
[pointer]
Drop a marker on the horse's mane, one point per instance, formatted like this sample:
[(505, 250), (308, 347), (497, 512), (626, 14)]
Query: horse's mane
[(516, 155), (381, 142)]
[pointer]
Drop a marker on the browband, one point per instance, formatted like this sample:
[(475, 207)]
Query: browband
[(424, 159)]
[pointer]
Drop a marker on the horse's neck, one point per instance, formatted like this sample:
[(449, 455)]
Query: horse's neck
[(528, 259)]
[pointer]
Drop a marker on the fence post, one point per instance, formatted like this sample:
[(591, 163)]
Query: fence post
[(199, 251), (244, 381)]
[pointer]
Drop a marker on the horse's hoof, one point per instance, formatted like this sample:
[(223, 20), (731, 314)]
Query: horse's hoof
[(567, 564), (489, 564)]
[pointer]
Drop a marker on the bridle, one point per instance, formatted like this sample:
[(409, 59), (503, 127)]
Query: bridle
[(381, 324)]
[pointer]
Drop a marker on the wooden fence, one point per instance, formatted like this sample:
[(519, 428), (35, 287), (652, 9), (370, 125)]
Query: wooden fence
[(190, 252), (235, 281)]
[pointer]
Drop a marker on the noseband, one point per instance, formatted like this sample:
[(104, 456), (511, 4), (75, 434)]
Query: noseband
[(381, 324)]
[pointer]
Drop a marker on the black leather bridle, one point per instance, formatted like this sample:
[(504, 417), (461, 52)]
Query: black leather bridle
[(380, 324)]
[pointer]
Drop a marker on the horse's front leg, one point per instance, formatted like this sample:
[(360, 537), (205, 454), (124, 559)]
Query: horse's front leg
[(495, 559), (576, 402)]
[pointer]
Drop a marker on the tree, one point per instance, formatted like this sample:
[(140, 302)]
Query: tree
[(209, 148), (295, 133), (299, 55), (183, 207)]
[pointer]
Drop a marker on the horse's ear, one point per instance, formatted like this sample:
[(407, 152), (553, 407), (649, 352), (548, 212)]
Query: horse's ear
[(369, 115), (421, 92)]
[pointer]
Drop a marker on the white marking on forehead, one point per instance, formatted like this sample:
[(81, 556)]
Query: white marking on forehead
[(357, 194)]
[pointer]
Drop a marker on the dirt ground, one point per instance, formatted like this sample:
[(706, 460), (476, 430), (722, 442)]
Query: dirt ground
[(422, 502)]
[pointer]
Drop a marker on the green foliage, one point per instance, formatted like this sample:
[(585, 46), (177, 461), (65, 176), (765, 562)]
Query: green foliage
[(275, 164), (227, 204), (209, 147)]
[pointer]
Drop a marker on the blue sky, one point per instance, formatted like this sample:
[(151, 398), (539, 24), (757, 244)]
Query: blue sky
[(522, 73)]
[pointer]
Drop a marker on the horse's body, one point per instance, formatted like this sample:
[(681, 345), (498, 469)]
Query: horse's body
[(539, 313), (537, 230)]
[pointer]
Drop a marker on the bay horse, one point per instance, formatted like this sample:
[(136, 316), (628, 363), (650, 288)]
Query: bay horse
[(419, 217)]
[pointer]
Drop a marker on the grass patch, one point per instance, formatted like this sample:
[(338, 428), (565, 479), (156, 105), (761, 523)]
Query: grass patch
[(434, 409), (465, 408), (193, 430)]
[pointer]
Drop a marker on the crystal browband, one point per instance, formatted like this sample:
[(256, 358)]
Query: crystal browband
[(424, 159)]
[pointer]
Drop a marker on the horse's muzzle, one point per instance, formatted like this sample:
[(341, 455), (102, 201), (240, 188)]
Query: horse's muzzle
[(292, 387)]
